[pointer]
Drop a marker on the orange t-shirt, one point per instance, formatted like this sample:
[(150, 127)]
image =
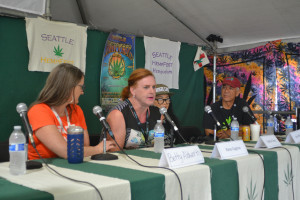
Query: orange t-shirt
[(41, 115)]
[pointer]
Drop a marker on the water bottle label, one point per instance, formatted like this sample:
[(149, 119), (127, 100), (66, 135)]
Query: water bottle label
[(289, 126), (235, 128), (270, 124), (159, 134), (16, 147)]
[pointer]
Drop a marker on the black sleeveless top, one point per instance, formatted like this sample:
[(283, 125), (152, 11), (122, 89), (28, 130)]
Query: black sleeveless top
[(134, 137)]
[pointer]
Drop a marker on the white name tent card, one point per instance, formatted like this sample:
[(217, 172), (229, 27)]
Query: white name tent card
[(269, 141), (181, 157), (231, 149), (293, 137)]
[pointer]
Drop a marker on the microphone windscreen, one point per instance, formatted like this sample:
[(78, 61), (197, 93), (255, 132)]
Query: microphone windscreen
[(162, 110), (97, 109), (245, 109), (207, 108), (21, 107)]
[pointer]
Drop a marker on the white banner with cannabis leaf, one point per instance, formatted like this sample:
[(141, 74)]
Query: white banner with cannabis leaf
[(52, 43)]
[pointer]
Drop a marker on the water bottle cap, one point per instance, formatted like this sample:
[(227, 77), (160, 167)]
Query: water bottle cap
[(158, 121), (17, 127)]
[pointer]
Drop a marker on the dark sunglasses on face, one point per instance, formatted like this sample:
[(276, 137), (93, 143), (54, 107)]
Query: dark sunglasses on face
[(161, 101)]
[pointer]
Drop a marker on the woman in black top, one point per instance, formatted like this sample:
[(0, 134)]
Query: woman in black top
[(133, 120)]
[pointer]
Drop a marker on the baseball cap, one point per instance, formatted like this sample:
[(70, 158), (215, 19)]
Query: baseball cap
[(232, 81), (162, 89)]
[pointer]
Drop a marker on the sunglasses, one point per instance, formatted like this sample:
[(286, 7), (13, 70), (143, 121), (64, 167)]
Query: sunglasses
[(161, 101)]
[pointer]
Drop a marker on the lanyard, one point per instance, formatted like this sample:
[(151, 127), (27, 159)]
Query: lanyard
[(59, 120), (138, 121)]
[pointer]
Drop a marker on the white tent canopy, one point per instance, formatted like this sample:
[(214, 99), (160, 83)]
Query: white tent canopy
[(238, 22)]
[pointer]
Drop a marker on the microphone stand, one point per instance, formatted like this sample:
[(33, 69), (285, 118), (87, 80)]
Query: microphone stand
[(104, 155), (172, 138), (214, 141)]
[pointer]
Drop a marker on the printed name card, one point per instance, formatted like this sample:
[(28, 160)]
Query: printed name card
[(293, 137), (181, 157), (269, 141), (231, 149)]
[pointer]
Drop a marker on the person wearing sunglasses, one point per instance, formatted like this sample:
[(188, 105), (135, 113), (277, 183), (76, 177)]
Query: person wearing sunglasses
[(55, 110), (163, 99)]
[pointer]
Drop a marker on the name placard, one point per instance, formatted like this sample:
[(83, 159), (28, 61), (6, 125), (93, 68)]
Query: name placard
[(231, 149), (293, 137), (269, 141), (181, 157)]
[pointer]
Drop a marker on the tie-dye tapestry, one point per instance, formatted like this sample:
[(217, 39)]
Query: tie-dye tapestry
[(269, 75)]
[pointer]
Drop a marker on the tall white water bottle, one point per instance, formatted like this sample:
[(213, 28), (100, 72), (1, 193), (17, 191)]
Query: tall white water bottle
[(235, 127), (17, 152), (270, 125), (159, 135), (288, 125)]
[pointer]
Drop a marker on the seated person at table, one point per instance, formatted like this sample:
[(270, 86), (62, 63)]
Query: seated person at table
[(229, 106), (55, 110), (132, 121), (163, 100)]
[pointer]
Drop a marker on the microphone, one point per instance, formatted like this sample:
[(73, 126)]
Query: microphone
[(246, 110), (163, 111), (22, 110), (97, 110), (210, 112)]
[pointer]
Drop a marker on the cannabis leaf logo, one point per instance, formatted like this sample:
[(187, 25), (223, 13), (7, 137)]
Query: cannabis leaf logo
[(288, 176), (251, 191), (116, 67), (57, 51)]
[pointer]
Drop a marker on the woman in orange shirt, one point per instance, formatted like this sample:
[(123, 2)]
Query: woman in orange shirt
[(55, 110)]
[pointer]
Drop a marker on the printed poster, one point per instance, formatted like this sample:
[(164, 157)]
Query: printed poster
[(117, 64)]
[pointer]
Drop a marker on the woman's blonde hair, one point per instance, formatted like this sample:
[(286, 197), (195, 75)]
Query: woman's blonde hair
[(59, 85), (135, 76)]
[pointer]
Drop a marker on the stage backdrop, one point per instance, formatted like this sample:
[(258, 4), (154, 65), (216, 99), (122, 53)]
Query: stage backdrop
[(269, 75), (20, 85)]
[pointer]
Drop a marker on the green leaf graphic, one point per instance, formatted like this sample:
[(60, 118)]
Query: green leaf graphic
[(57, 51), (288, 176), (251, 192)]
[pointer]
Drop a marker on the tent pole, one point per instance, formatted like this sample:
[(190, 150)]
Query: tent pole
[(214, 72), (48, 12)]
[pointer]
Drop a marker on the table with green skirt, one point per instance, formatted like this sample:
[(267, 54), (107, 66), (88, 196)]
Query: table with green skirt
[(263, 174)]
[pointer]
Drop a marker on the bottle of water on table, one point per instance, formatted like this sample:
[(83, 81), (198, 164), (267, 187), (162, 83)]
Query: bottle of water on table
[(288, 125), (235, 127), (270, 125), (159, 135), (17, 152)]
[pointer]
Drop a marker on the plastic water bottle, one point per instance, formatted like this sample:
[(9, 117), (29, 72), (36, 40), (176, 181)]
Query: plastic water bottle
[(17, 152), (270, 125), (288, 125), (159, 135), (235, 127)]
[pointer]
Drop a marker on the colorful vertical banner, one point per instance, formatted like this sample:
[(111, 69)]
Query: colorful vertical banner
[(117, 64), (162, 59), (52, 43)]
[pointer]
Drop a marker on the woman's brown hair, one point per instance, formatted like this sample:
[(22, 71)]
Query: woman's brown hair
[(59, 85), (135, 76)]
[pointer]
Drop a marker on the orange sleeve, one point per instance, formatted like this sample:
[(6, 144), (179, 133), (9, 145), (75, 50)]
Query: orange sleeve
[(40, 115)]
